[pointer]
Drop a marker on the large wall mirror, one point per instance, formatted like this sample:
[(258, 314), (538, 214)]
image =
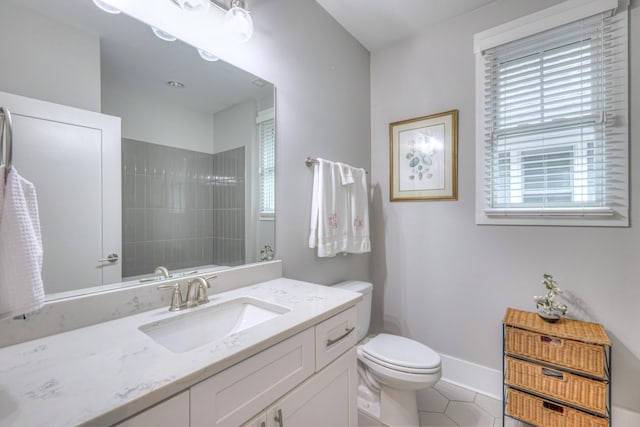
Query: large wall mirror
[(143, 153)]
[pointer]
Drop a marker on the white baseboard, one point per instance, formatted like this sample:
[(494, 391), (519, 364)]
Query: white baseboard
[(624, 418), (488, 381), (472, 376)]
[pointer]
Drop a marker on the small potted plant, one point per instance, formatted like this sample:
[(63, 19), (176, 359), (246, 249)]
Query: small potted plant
[(548, 309)]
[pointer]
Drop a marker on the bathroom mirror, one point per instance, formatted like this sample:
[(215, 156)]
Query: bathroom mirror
[(193, 166)]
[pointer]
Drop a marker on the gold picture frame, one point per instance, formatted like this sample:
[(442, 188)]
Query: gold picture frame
[(424, 158)]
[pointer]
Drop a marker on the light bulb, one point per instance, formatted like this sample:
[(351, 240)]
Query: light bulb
[(207, 56), (163, 35), (239, 24), (201, 6), (106, 7)]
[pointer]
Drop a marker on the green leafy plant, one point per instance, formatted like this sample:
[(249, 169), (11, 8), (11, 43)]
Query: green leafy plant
[(545, 304)]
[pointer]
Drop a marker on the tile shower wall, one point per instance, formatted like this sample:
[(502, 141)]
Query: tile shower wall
[(181, 208)]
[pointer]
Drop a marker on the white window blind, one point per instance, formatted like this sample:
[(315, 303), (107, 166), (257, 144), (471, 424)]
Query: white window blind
[(554, 140), (267, 153)]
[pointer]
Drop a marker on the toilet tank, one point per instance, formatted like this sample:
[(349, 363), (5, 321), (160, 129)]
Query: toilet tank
[(363, 307)]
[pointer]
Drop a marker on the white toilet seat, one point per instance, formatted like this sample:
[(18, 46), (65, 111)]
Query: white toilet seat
[(400, 368), (397, 379), (402, 354), (399, 362)]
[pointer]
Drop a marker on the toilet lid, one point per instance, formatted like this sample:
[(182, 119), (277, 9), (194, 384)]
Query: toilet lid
[(401, 352)]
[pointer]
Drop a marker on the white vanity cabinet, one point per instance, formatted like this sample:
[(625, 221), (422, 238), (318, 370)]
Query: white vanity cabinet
[(328, 396), (328, 399), (231, 397), (307, 379)]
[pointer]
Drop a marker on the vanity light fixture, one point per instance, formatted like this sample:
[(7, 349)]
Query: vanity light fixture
[(207, 56), (106, 7), (238, 21), (163, 35)]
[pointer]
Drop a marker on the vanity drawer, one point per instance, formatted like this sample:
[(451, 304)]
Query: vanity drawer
[(236, 394), (540, 412), (573, 389), (575, 355), (334, 336)]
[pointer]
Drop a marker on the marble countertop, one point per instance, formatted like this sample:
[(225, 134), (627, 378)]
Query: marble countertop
[(101, 374)]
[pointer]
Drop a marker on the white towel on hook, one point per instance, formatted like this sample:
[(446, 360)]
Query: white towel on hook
[(21, 288), (339, 212)]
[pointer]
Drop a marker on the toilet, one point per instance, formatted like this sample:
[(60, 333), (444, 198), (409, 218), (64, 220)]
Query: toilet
[(391, 368)]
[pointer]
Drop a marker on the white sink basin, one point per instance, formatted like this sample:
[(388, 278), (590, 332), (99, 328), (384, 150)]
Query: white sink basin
[(192, 329)]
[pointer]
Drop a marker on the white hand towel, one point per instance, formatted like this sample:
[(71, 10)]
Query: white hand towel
[(329, 213), (358, 238), (346, 173), (21, 289)]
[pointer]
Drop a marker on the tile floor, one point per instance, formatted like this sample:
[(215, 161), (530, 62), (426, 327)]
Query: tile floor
[(449, 405)]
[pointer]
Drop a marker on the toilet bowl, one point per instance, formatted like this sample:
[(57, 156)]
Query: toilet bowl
[(391, 368)]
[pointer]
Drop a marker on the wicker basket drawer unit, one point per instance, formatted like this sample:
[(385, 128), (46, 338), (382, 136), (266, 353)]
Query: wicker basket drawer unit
[(575, 355), (556, 374), (540, 412), (572, 389)]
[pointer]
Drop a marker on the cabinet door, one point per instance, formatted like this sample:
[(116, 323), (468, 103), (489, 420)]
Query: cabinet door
[(233, 396), (173, 412), (328, 399)]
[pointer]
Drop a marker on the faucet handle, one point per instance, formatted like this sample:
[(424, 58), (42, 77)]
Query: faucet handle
[(176, 298)]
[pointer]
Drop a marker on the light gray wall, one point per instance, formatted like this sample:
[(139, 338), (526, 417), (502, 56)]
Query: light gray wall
[(445, 281), (321, 74), (153, 120), (235, 127), (44, 76)]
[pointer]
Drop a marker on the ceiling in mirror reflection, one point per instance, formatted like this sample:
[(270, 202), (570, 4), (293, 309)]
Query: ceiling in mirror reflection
[(185, 204), (132, 55)]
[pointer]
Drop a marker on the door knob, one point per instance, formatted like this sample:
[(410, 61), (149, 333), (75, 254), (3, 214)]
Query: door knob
[(110, 258)]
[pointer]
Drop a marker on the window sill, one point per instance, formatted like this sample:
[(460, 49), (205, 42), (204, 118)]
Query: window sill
[(564, 212), (594, 217)]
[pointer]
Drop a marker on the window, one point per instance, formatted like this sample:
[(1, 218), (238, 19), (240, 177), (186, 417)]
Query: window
[(267, 168), (552, 145)]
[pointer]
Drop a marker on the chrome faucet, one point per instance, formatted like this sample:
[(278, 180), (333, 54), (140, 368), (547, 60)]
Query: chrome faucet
[(196, 293), (162, 271)]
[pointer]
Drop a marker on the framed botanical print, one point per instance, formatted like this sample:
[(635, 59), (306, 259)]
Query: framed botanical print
[(424, 158)]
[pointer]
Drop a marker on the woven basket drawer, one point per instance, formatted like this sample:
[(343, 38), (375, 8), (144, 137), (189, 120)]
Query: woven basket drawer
[(573, 389), (575, 355), (547, 414)]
